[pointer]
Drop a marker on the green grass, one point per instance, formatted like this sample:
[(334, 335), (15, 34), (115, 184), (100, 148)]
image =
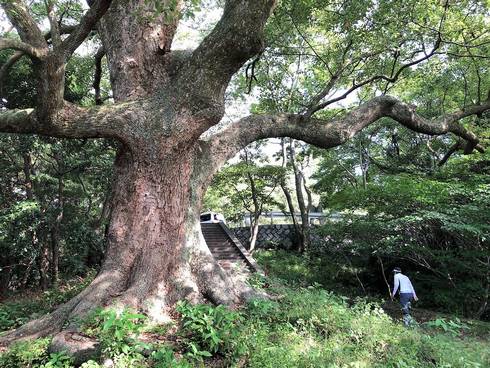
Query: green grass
[(304, 325), (311, 327)]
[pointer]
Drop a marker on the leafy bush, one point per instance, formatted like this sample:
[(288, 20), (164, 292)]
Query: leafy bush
[(12, 315), (453, 327), (437, 227), (308, 326), (303, 327), (164, 358), (117, 331), (209, 330), (90, 364), (257, 281), (58, 360), (261, 308)]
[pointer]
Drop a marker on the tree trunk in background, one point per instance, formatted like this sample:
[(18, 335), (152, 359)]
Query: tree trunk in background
[(304, 234), (254, 232), (56, 230), (95, 256), (287, 195), (363, 163), (29, 186), (44, 264), (257, 210)]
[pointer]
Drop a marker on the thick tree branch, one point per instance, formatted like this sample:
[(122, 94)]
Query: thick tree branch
[(53, 22), (98, 74), (73, 121), (236, 38), (64, 29), (91, 17), (23, 22), (8, 43), (328, 134)]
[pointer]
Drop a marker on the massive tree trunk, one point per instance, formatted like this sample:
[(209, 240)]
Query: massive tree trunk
[(147, 245), (165, 104), (156, 254)]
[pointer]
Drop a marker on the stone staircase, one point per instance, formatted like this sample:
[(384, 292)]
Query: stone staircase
[(226, 248)]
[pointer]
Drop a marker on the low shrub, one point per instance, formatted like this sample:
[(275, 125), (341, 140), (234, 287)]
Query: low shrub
[(454, 327), (209, 330), (164, 357), (58, 360), (117, 331), (301, 326)]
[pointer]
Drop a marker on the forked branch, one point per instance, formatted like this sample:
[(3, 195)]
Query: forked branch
[(237, 37), (23, 22)]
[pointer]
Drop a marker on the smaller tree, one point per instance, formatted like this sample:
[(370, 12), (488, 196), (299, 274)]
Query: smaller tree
[(246, 187)]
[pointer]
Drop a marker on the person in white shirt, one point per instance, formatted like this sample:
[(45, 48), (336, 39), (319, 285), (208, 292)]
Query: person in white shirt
[(407, 293)]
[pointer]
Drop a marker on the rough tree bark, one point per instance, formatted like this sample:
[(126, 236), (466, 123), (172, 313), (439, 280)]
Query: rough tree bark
[(165, 101)]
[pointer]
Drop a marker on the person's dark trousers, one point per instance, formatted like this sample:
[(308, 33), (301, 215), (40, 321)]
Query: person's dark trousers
[(405, 299)]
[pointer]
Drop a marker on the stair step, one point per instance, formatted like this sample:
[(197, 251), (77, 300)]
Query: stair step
[(223, 248), (227, 254)]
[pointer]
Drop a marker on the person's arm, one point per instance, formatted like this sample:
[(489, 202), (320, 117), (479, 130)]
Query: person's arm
[(396, 284), (413, 292)]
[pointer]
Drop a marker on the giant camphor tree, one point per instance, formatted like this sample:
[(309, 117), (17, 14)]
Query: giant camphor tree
[(166, 101)]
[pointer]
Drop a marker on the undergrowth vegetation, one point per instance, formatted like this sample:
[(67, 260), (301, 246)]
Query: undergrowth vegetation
[(20, 309), (302, 325), (436, 227)]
